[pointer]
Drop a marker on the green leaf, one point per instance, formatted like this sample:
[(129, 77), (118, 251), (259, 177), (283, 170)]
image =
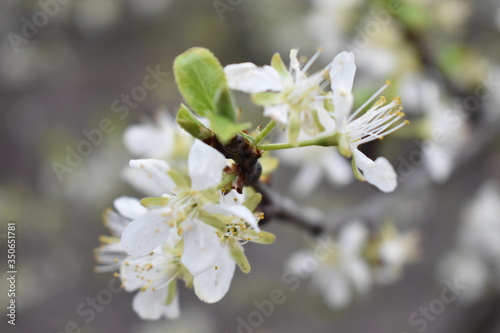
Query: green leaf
[(202, 82), (200, 79), (224, 105), (187, 120), (224, 128)]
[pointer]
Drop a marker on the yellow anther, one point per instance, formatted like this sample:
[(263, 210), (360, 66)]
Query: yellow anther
[(388, 82), (216, 267), (407, 122), (116, 260)]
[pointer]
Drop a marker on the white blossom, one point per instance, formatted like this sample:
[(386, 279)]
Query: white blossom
[(289, 96), (361, 126)]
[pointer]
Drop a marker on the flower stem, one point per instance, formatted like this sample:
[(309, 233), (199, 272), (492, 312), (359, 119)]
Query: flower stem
[(265, 131), (325, 141)]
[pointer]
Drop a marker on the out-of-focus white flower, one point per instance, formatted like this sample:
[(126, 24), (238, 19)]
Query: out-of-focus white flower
[(314, 163), (445, 129), (337, 269), (356, 127), (393, 251), (481, 230), (289, 96), (163, 139), (475, 259)]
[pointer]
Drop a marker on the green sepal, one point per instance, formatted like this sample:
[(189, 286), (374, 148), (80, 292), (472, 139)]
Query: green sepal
[(154, 202), (218, 221), (172, 292), (200, 79), (278, 64), (188, 121), (266, 98), (260, 237), (356, 171), (328, 105), (312, 125), (186, 276), (344, 147), (211, 194), (238, 254), (253, 201), (182, 182), (294, 128)]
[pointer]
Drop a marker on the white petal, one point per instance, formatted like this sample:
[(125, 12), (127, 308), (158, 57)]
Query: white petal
[(129, 207), (360, 275), (239, 211), (140, 181), (205, 166), (336, 292), (337, 168), (147, 232), (147, 140), (379, 172), (308, 177), (156, 169), (438, 162), (277, 112), (343, 102), (251, 79), (352, 238), (202, 247), (342, 72), (211, 285), (150, 305)]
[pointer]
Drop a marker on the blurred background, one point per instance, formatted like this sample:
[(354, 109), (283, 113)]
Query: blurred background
[(70, 68)]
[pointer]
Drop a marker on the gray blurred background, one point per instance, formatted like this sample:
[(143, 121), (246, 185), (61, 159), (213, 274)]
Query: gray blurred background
[(63, 75)]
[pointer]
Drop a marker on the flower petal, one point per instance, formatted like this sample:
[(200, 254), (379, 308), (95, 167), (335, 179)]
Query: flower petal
[(205, 166), (129, 207), (150, 305), (202, 247), (239, 211), (140, 181), (211, 285), (278, 112), (249, 78), (147, 140), (147, 232), (156, 169), (379, 172), (342, 72)]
